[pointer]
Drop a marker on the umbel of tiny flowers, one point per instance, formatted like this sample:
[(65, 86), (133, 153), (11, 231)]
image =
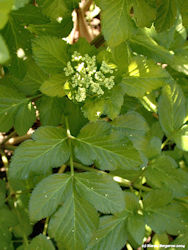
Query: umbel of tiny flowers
[(84, 79)]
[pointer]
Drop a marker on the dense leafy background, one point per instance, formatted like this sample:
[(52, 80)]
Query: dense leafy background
[(109, 172)]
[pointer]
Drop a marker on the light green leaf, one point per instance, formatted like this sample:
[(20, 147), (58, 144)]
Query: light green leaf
[(117, 25), (111, 233), (50, 110), (50, 53), (75, 221), (10, 101), (172, 111), (184, 11), (41, 242), (163, 173), (54, 86), (144, 76), (20, 3), (4, 54), (166, 14), (58, 8), (25, 117), (181, 138), (109, 104), (98, 143), (144, 12), (121, 56), (47, 149), (101, 191), (5, 8), (47, 196)]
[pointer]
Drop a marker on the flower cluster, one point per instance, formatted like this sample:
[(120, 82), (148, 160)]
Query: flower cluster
[(85, 79)]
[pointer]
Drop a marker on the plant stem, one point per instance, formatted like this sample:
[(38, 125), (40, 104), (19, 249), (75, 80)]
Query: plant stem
[(8, 137), (123, 182), (62, 169), (45, 226), (70, 137), (164, 143)]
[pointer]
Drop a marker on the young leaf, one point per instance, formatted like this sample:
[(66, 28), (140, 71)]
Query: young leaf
[(50, 53), (41, 242), (109, 150), (47, 196), (115, 18), (101, 191), (75, 221), (166, 14), (144, 12), (4, 54), (111, 233), (54, 86), (47, 149)]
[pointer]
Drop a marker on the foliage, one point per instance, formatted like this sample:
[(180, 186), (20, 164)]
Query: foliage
[(94, 135)]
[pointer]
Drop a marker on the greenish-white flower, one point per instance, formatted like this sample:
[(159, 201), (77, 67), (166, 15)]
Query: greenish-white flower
[(86, 79)]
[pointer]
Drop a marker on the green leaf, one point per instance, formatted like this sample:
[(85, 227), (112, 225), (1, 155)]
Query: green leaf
[(98, 143), (23, 227), (25, 117), (50, 110), (58, 8), (144, 76), (109, 104), (172, 111), (53, 28), (20, 3), (115, 18), (47, 196), (75, 221), (111, 234), (183, 8), (33, 79), (5, 8), (163, 173), (50, 53), (4, 54), (41, 242), (136, 227), (101, 191), (2, 192), (6, 239), (166, 14), (10, 101), (181, 138), (54, 86), (144, 12), (47, 149), (132, 124)]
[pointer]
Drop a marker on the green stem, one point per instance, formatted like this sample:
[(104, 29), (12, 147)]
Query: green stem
[(164, 143), (70, 137), (34, 97), (46, 226), (123, 182)]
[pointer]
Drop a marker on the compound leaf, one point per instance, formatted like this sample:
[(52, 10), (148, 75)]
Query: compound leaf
[(75, 221)]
